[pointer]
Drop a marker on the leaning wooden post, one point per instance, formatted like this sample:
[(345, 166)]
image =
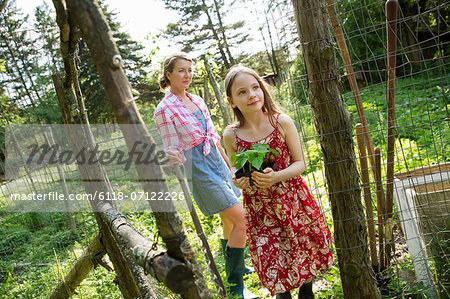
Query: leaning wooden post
[(367, 196), (380, 209), (334, 127), (339, 34), (88, 16), (51, 142), (130, 252), (90, 258), (391, 28), (201, 235), (132, 283)]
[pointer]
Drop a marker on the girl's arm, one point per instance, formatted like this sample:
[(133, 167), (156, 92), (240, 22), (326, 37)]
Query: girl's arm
[(298, 165), (229, 140)]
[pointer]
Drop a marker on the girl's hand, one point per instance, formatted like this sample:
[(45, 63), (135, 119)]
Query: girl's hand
[(265, 179), (174, 157), (242, 182)]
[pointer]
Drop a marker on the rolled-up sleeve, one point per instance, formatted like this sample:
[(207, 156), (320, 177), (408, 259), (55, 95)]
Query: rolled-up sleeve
[(168, 132)]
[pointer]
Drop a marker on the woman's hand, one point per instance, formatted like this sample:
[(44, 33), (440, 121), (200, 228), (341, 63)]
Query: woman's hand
[(266, 178), (174, 157), (242, 182)]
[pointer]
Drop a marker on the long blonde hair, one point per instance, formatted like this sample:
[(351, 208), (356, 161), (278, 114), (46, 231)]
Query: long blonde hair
[(269, 107), (168, 66)]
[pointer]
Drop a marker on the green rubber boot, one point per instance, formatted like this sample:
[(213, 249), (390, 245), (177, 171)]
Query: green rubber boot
[(247, 269), (234, 268)]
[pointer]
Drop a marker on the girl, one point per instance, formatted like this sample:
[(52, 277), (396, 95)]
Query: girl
[(188, 134), (287, 235)]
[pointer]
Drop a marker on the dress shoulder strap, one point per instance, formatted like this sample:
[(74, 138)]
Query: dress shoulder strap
[(277, 126), (276, 118)]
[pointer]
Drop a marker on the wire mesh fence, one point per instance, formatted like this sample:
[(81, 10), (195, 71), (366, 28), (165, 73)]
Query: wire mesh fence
[(410, 243), (417, 228)]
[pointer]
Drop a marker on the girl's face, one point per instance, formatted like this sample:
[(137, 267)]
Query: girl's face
[(246, 93), (181, 76)]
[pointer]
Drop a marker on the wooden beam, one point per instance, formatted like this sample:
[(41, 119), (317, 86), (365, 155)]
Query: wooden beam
[(88, 260)]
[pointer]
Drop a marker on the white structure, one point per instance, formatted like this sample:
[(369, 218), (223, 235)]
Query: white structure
[(405, 186)]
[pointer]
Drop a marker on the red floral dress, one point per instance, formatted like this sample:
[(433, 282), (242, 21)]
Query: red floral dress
[(288, 237)]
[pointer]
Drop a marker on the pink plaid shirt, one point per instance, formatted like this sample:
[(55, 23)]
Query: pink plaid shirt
[(179, 128)]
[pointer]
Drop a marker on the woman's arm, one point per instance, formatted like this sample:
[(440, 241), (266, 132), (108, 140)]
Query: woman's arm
[(298, 165), (225, 157)]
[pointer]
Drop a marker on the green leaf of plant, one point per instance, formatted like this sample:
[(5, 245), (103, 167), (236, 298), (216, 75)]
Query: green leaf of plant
[(260, 147), (255, 155), (257, 161), (233, 157), (274, 151), (240, 161)]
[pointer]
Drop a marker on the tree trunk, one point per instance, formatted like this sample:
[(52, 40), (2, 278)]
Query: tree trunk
[(411, 45), (334, 126), (216, 36), (222, 31), (207, 96), (274, 56), (218, 94), (89, 17), (27, 72)]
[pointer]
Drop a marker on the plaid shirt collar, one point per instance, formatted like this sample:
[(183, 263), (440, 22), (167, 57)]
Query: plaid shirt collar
[(174, 98)]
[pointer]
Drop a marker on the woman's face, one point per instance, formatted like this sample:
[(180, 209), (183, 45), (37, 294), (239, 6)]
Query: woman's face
[(181, 76)]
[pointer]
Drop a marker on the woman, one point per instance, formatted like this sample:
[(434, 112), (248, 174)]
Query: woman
[(189, 137)]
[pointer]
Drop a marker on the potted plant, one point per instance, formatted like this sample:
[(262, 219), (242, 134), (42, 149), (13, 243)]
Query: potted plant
[(253, 159)]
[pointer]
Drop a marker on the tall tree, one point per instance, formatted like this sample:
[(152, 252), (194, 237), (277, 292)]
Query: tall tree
[(334, 125), (27, 54), (48, 62), (17, 51), (47, 30), (221, 29), (201, 28)]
